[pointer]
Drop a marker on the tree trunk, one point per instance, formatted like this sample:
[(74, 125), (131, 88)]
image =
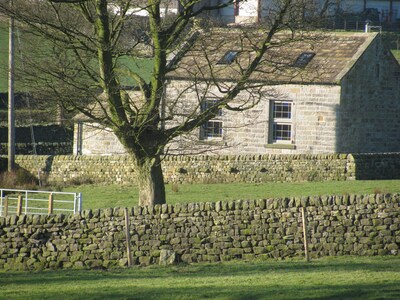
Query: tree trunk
[(150, 181)]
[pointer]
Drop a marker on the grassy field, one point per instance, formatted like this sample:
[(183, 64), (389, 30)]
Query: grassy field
[(328, 278), (142, 66), (102, 196)]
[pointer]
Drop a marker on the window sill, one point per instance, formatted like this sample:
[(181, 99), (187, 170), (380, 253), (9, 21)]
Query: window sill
[(212, 141), (280, 146)]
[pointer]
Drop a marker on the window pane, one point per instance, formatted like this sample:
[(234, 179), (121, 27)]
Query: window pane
[(208, 103), (282, 132), (212, 129), (282, 110)]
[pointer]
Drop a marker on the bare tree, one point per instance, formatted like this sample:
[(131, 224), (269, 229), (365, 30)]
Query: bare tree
[(87, 44)]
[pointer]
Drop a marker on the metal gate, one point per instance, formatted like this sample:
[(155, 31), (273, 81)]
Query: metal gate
[(17, 202)]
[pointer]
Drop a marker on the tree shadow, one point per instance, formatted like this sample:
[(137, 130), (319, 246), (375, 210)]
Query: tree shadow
[(203, 281)]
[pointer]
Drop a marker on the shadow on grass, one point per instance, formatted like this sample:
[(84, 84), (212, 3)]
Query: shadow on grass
[(239, 292), (235, 280), (232, 268)]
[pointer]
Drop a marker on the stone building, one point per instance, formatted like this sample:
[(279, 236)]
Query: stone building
[(379, 12), (332, 93)]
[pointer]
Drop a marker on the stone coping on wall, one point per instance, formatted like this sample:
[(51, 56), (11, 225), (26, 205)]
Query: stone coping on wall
[(244, 157), (251, 157), (259, 157)]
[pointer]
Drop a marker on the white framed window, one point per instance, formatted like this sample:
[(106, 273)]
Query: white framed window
[(213, 128), (281, 122)]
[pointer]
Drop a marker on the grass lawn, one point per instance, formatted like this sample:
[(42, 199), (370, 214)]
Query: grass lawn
[(103, 196), (328, 278)]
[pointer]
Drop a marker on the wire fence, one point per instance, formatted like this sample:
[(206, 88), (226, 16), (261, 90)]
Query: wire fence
[(359, 25), (17, 202)]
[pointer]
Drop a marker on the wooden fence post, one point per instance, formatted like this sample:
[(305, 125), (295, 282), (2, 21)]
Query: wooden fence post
[(51, 200), (19, 205), (304, 221), (128, 238), (5, 206)]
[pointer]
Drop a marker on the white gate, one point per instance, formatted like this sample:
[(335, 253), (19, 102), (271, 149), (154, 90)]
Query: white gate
[(38, 202)]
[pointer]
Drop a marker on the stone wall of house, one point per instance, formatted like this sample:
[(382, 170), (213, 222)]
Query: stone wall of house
[(370, 103), (314, 124), (315, 117), (314, 121), (218, 169), (95, 140), (203, 232)]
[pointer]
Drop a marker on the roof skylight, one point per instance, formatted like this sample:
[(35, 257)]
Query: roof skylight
[(228, 58), (303, 59)]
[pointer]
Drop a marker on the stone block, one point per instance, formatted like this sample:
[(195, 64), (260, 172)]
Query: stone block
[(259, 250), (90, 247), (145, 260), (366, 222), (167, 257), (235, 251)]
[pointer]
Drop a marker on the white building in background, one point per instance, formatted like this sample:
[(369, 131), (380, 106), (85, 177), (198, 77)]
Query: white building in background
[(253, 11)]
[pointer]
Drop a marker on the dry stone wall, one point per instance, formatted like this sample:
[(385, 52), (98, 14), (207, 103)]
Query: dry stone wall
[(218, 169), (377, 166), (203, 232), (42, 148), (195, 169)]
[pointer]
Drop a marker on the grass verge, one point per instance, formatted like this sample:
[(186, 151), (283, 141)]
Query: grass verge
[(103, 196), (328, 278)]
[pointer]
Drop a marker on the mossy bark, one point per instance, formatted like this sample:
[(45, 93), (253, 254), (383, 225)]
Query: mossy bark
[(150, 181)]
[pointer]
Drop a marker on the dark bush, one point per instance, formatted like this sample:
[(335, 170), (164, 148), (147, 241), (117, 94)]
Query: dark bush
[(18, 179)]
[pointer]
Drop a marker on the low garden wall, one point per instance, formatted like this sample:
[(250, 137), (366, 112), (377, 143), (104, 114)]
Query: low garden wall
[(376, 166), (218, 169), (203, 232), (195, 169)]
